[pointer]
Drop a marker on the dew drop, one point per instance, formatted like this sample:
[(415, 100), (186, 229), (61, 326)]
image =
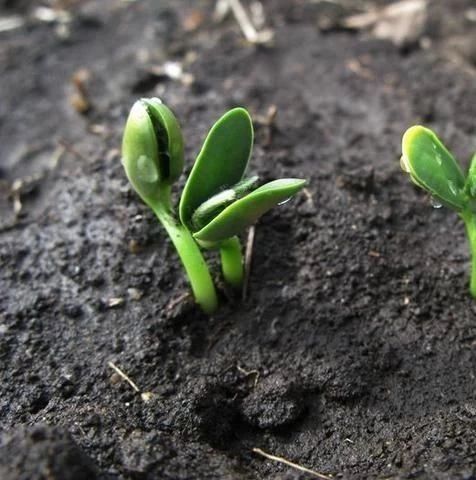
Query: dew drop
[(284, 201), (404, 164), (146, 169), (435, 203), (453, 188), (439, 159)]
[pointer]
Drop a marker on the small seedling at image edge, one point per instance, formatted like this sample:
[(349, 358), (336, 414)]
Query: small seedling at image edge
[(432, 167), (217, 202)]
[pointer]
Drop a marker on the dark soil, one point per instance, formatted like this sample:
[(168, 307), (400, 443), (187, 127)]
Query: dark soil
[(354, 353)]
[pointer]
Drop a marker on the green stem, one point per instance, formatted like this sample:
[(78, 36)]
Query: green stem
[(189, 253), (470, 222), (232, 261)]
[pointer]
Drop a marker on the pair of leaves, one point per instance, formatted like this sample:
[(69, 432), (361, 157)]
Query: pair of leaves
[(153, 152), (432, 167), (221, 165)]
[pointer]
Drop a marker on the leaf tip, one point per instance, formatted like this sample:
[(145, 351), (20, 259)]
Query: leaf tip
[(412, 134)]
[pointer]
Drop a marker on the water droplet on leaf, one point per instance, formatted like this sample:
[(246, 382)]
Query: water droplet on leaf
[(453, 188), (435, 203), (147, 170)]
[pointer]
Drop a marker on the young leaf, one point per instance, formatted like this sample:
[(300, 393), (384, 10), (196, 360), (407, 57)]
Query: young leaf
[(169, 138), (152, 147), (213, 206), (140, 153), (470, 187), (245, 211), (221, 162), (432, 167)]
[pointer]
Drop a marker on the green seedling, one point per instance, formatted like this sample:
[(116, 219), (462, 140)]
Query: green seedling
[(153, 157), (432, 167), (217, 202)]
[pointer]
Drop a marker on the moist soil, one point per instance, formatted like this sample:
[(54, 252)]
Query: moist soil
[(353, 353)]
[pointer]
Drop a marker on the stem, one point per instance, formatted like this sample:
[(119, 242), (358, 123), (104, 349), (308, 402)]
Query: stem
[(188, 251), (470, 222), (232, 261)]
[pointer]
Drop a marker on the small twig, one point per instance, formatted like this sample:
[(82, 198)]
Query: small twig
[(291, 464), (268, 118), (268, 121), (80, 99), (59, 152), (308, 195), (20, 186), (146, 396), (257, 14), (248, 259), (124, 376), (114, 302), (248, 373), (16, 196), (222, 8), (71, 149), (184, 297), (247, 27)]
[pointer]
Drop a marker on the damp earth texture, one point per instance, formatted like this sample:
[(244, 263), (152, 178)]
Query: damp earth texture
[(354, 352)]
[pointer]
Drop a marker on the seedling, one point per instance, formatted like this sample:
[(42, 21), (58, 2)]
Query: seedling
[(432, 167), (217, 203)]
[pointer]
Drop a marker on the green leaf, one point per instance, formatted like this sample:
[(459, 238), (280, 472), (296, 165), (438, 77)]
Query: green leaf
[(245, 211), (140, 152), (152, 147), (169, 139), (209, 209), (470, 186), (221, 162), (432, 167)]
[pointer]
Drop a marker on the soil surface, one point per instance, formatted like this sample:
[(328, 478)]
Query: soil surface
[(354, 353)]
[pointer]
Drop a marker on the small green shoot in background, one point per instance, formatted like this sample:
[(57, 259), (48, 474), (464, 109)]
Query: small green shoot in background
[(218, 202), (432, 167)]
